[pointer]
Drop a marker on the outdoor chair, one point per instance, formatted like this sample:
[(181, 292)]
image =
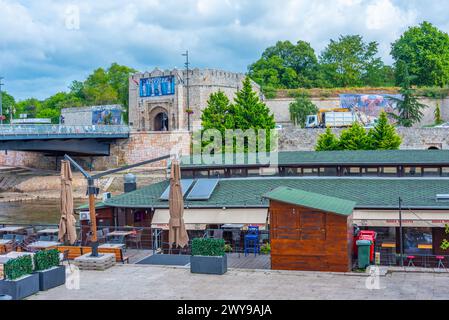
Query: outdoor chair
[(410, 261), (252, 241), (236, 240), (136, 239), (117, 239)]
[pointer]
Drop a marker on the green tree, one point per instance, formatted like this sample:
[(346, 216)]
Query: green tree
[(437, 114), (355, 138), (327, 141), (350, 61), (250, 112), (286, 65), (410, 110), (52, 114), (98, 90), (300, 109), (384, 136), (30, 107), (119, 80), (219, 113), (425, 51), (8, 102)]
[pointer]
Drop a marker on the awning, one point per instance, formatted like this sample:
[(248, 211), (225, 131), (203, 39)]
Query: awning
[(390, 218), (195, 217)]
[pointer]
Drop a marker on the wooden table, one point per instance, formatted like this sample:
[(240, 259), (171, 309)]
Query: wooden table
[(119, 233), (43, 244), (112, 246), (48, 231), (11, 229)]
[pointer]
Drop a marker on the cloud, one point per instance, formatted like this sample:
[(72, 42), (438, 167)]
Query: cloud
[(42, 48)]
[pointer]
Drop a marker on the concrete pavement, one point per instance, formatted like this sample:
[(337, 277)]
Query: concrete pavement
[(159, 282)]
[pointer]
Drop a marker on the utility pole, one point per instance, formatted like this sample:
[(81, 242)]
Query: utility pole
[(401, 246), (1, 101), (187, 65)]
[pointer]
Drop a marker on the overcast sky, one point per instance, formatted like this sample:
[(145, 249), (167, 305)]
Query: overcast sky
[(46, 44)]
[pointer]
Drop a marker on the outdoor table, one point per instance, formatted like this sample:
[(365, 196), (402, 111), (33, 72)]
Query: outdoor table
[(43, 244), (112, 246), (48, 231), (119, 233), (11, 229)]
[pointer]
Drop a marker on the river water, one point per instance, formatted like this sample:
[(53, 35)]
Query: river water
[(32, 212)]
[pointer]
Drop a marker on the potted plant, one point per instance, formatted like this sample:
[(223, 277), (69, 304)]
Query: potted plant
[(51, 273), (265, 248), (208, 256), (20, 281)]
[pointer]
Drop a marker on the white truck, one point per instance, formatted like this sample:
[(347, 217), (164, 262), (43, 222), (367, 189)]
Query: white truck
[(331, 119)]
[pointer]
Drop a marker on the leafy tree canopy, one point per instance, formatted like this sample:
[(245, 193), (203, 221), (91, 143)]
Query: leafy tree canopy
[(300, 109), (425, 51)]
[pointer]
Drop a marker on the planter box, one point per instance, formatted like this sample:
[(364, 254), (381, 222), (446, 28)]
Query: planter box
[(51, 278), (208, 265), (20, 288)]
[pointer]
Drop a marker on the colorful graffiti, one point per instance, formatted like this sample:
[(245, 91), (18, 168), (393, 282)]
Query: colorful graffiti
[(157, 86), (369, 104), (105, 115)]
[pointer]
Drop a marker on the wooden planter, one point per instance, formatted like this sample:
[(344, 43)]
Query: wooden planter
[(51, 278), (20, 288), (209, 265)]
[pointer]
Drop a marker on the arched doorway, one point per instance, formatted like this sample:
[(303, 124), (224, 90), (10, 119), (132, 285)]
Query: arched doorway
[(161, 122), (434, 148)]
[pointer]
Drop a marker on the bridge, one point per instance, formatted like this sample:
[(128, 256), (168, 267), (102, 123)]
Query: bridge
[(94, 140)]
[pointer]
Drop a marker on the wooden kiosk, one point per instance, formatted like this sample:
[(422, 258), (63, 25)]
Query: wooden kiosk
[(309, 231)]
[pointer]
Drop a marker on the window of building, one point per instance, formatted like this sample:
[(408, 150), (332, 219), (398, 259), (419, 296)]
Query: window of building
[(292, 172), (188, 174), (445, 171), (328, 171), (217, 173), (200, 174), (431, 172), (388, 171), (310, 171), (412, 171), (268, 171), (417, 240), (351, 171), (370, 171), (240, 172), (253, 172)]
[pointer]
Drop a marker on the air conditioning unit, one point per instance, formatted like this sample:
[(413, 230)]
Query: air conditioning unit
[(106, 196), (84, 216)]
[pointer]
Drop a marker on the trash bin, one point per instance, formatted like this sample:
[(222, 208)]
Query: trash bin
[(363, 248)]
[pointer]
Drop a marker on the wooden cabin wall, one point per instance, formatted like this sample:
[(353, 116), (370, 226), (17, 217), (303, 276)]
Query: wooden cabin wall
[(309, 240)]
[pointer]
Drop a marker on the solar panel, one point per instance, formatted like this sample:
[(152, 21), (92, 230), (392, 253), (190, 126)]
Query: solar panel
[(185, 186), (203, 189)]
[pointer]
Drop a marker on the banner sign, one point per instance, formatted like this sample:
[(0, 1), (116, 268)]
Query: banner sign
[(157, 86)]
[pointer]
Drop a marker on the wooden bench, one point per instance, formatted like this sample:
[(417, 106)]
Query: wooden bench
[(74, 252), (119, 257)]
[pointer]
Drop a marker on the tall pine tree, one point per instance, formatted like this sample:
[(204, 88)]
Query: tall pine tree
[(327, 141), (355, 138), (384, 136)]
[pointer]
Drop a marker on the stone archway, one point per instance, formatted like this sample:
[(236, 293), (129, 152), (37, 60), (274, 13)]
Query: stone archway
[(159, 119), (433, 148)]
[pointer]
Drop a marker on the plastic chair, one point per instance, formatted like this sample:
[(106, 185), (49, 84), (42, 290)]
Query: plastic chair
[(252, 241), (440, 262)]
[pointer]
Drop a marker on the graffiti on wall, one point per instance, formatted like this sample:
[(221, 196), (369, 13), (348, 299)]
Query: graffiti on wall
[(157, 86), (369, 104), (105, 115)]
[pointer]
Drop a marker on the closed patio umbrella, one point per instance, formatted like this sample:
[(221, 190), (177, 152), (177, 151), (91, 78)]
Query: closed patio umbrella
[(67, 229), (177, 229)]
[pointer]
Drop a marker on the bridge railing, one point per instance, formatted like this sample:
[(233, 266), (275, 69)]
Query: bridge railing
[(56, 130)]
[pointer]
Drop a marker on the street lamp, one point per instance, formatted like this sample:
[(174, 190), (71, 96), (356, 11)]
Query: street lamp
[(1, 101), (187, 65)]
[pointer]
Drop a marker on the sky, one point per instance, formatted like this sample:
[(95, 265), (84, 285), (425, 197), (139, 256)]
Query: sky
[(46, 44)]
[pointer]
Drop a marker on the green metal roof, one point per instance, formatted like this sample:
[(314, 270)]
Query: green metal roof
[(248, 192), (377, 157), (312, 200)]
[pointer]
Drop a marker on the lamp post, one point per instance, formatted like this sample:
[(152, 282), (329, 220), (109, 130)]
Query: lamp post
[(1, 101), (401, 247), (187, 65)]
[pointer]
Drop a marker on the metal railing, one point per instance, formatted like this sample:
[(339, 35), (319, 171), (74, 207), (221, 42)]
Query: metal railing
[(62, 130)]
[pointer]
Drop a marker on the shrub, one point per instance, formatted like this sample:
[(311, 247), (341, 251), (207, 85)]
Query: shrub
[(18, 267), (265, 248), (46, 259), (208, 247)]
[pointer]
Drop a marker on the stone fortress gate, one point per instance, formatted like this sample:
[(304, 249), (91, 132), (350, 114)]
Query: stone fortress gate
[(158, 99)]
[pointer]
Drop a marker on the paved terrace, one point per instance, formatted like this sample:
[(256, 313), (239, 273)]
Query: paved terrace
[(136, 282)]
